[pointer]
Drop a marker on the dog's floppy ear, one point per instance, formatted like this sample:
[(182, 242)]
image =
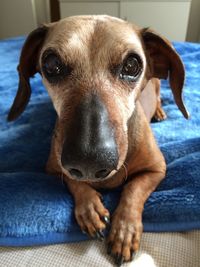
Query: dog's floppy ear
[(163, 62), (27, 68)]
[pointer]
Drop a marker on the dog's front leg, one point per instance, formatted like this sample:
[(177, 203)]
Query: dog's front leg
[(126, 224), (90, 213)]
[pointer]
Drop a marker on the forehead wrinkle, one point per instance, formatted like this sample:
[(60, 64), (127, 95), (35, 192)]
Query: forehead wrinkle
[(70, 38), (114, 40)]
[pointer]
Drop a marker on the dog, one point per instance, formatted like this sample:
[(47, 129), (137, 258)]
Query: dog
[(102, 75)]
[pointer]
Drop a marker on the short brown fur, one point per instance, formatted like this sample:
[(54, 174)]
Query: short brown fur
[(93, 46)]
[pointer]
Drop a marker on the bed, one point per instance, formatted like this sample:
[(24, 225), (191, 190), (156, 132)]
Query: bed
[(36, 210)]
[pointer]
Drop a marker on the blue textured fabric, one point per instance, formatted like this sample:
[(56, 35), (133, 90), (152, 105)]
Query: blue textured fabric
[(36, 208)]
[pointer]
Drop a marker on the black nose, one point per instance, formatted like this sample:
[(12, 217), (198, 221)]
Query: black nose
[(90, 150)]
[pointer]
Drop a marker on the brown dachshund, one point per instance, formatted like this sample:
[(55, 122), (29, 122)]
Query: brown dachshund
[(102, 76)]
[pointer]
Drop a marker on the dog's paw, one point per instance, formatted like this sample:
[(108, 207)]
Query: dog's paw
[(91, 215), (159, 115), (124, 237)]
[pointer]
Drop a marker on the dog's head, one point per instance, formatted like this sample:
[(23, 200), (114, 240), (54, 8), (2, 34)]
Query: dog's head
[(94, 68)]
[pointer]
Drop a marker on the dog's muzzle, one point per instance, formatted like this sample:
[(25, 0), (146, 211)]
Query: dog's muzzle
[(90, 150)]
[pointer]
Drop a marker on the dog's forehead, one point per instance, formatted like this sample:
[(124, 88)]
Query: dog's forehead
[(93, 33)]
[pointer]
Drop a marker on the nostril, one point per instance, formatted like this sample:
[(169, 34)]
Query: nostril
[(102, 173), (76, 173)]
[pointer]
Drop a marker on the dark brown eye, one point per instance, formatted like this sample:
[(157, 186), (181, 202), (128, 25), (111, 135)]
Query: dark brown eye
[(131, 69), (53, 68)]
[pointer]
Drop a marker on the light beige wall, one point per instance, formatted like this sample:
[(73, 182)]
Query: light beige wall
[(193, 34), (87, 8), (17, 17), (169, 18), (42, 11)]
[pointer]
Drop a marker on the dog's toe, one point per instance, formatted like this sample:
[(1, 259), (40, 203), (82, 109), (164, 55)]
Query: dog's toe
[(119, 253), (92, 216), (159, 115), (124, 236)]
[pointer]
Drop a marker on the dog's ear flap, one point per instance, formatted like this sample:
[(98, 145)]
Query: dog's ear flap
[(163, 62), (27, 68)]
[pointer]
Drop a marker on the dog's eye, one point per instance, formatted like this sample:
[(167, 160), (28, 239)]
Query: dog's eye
[(54, 69), (131, 69)]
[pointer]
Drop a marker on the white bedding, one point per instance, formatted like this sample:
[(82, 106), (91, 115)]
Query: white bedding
[(157, 250)]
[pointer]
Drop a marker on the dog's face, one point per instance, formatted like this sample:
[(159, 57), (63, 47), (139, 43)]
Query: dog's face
[(93, 77), (94, 68)]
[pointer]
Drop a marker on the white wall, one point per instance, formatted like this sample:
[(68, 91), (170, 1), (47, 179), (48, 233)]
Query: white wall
[(193, 33), (17, 17), (42, 11), (169, 18)]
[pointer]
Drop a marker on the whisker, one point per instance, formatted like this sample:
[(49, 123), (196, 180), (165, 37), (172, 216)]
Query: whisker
[(126, 172), (125, 163)]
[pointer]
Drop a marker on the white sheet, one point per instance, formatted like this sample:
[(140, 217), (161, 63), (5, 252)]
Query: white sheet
[(157, 250)]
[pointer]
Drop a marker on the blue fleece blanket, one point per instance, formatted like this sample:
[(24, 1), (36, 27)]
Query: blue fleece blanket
[(36, 208)]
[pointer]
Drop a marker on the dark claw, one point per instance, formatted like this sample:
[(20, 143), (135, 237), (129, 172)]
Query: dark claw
[(84, 232), (109, 248), (132, 255), (106, 220), (119, 260), (100, 235)]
